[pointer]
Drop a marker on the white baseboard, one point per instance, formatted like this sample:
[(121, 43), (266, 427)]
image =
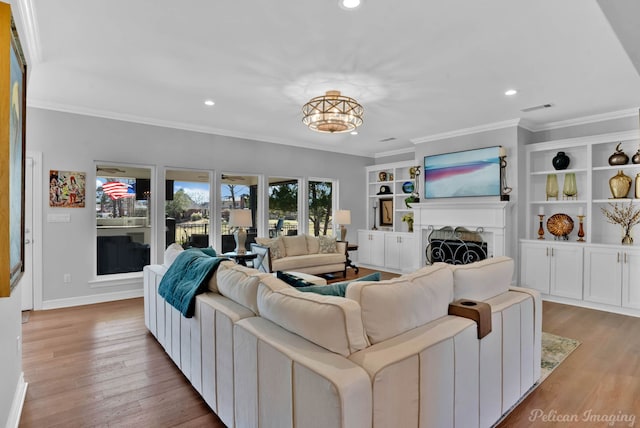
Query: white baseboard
[(90, 300), (18, 402)]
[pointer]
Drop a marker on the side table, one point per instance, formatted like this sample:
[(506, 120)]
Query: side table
[(241, 259), (352, 247)]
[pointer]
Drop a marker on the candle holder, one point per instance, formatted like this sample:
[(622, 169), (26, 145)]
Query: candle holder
[(541, 229), (581, 229)]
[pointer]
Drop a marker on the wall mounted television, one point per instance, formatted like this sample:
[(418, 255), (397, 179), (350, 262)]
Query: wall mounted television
[(462, 174)]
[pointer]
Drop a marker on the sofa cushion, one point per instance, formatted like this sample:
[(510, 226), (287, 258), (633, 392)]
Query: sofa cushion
[(297, 262), (295, 245), (337, 288), (239, 283), (275, 245), (313, 244), (327, 244), (328, 321), (394, 306), (171, 253), (482, 280)]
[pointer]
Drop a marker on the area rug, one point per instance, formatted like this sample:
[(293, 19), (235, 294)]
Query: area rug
[(554, 350)]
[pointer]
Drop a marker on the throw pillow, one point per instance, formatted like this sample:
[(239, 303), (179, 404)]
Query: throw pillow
[(275, 245), (171, 253), (295, 245), (327, 244), (292, 280), (313, 244), (338, 288)]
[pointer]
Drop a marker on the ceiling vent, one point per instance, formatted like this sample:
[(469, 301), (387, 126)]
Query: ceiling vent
[(540, 107), (386, 140)]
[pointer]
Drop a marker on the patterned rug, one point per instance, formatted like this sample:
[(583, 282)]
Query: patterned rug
[(554, 350)]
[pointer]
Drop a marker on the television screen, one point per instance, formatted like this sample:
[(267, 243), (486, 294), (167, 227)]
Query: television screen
[(461, 174)]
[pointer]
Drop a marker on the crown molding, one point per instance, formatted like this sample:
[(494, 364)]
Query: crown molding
[(394, 152), (31, 37), (104, 114), (585, 120), (467, 131)]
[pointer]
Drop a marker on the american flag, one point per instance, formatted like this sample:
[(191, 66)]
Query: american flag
[(117, 190)]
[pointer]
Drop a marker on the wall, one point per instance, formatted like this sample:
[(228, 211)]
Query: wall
[(586, 129), (506, 137), (73, 142)]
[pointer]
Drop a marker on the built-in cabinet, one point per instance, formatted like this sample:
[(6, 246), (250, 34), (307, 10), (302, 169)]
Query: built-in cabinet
[(611, 276), (394, 251), (371, 248), (401, 251), (552, 269), (595, 269), (387, 242)]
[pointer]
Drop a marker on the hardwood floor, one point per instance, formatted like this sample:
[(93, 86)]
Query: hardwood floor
[(599, 379), (97, 365)]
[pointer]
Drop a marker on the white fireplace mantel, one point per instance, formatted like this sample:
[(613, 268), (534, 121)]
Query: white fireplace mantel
[(490, 216)]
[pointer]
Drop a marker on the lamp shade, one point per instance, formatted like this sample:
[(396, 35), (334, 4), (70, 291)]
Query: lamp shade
[(343, 217), (240, 218)]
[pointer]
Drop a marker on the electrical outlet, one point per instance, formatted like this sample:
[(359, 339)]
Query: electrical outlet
[(67, 278)]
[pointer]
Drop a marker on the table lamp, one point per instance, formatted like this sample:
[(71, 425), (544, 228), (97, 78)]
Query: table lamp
[(240, 219), (343, 217)]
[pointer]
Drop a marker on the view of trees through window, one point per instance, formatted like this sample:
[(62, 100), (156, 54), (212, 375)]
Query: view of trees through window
[(320, 207), (187, 208), (283, 206)]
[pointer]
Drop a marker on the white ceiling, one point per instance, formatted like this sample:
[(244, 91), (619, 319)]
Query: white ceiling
[(418, 67)]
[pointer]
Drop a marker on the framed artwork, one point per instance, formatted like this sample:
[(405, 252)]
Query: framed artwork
[(67, 189), (386, 212), (12, 154), (461, 174)]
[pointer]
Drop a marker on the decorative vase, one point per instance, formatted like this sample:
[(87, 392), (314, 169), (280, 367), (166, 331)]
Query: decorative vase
[(627, 239), (560, 161), (636, 158), (619, 157), (620, 184), (638, 186), (410, 224), (570, 188), (552, 186)]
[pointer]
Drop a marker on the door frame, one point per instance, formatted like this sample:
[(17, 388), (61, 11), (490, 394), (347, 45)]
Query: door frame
[(36, 229)]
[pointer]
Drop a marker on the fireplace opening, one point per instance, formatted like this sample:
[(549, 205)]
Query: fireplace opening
[(457, 246)]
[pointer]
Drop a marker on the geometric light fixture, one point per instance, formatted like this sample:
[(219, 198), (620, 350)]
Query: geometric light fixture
[(333, 113)]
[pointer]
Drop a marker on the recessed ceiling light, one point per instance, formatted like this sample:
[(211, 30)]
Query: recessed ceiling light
[(209, 103), (510, 92), (354, 132), (349, 4)]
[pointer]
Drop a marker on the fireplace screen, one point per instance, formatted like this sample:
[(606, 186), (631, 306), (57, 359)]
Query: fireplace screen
[(457, 246)]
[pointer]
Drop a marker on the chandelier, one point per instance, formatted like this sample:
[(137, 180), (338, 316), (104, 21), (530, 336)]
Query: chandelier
[(332, 113)]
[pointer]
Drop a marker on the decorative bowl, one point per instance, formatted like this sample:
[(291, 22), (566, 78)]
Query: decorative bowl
[(560, 225)]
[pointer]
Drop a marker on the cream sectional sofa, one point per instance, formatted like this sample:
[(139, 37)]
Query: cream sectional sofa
[(263, 354), (301, 253)]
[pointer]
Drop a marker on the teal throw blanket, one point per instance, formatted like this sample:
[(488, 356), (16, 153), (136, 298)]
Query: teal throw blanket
[(187, 277)]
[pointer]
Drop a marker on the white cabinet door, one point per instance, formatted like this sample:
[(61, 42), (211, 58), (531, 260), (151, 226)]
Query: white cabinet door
[(409, 253), (392, 257), (534, 267), (371, 248), (603, 275), (631, 279), (566, 271)]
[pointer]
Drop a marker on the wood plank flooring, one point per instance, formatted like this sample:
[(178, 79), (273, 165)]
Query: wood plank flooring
[(97, 366)]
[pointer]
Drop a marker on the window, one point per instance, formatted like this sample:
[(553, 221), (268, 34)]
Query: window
[(187, 208), (321, 207), (283, 206), (237, 192), (123, 218)]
